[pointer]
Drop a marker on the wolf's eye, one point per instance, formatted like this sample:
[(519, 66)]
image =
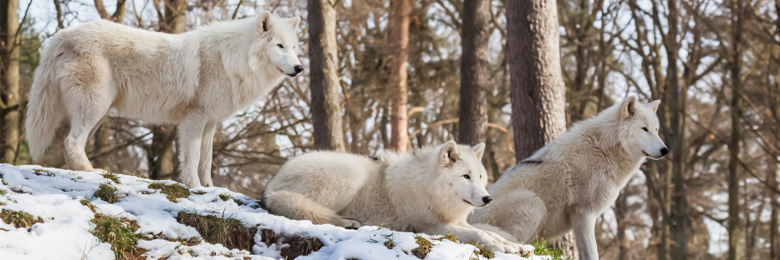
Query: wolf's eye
[(467, 176), (280, 46), (645, 128)]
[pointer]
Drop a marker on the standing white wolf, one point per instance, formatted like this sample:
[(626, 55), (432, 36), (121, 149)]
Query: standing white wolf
[(194, 79), (429, 190), (570, 182)]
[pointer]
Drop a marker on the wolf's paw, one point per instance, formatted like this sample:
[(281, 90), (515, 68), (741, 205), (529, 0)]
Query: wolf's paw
[(348, 223), (98, 170), (525, 250)]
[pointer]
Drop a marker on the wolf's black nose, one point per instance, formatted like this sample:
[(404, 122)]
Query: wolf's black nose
[(298, 68), (487, 199), (664, 151)]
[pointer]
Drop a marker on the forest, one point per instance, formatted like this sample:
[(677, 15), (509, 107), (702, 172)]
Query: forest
[(399, 74)]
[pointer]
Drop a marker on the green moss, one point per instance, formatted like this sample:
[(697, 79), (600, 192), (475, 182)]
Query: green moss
[(199, 192), (174, 191), (19, 219), (107, 193), (120, 233)]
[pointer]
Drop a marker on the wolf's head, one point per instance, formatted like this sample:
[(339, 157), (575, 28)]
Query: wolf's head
[(639, 129), (462, 176), (275, 42)]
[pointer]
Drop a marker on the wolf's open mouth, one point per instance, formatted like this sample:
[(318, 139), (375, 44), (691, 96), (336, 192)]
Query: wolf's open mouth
[(646, 153), (467, 202)]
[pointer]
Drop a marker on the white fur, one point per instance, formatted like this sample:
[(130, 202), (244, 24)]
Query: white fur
[(425, 190), (194, 79), (570, 182)]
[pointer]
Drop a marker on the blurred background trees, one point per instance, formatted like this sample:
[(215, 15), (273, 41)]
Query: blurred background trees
[(398, 74)]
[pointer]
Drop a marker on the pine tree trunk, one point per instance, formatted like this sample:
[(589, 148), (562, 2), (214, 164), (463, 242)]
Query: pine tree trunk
[(10, 102), (323, 57), (536, 81), (473, 74), (398, 41), (733, 222)]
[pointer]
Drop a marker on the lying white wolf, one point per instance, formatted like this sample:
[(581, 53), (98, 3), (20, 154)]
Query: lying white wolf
[(194, 79), (429, 190), (575, 178)]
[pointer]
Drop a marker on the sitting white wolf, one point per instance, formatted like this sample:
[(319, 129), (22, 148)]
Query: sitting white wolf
[(570, 182), (429, 190), (194, 79)]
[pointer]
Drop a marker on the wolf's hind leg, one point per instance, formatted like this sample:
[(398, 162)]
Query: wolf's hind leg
[(298, 206), (87, 95)]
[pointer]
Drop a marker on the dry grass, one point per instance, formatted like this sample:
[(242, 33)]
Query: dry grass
[(107, 193), (227, 231), (120, 233), (19, 219), (86, 202), (112, 177), (173, 191), (424, 247)]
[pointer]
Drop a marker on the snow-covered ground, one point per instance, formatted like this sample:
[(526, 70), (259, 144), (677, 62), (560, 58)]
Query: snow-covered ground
[(54, 195)]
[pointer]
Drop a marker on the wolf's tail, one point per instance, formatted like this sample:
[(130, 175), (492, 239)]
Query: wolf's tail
[(45, 110)]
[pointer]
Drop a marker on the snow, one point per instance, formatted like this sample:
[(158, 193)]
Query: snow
[(54, 194)]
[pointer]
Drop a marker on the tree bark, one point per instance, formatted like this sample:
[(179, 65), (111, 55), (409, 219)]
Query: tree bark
[(677, 98), (621, 216), (398, 41), (771, 180), (536, 82), (474, 74), (733, 225), (175, 11), (324, 81), (161, 153), (9, 94)]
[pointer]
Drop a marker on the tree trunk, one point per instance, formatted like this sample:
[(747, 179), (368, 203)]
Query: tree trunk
[(398, 41), (736, 134), (161, 154), (474, 74), (537, 89), (621, 216), (677, 98), (771, 180), (324, 82), (174, 16), (536, 81), (9, 94), (101, 145)]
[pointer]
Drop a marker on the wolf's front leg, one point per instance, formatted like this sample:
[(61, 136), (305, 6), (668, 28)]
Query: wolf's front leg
[(472, 235), (204, 166), (190, 135), (584, 226)]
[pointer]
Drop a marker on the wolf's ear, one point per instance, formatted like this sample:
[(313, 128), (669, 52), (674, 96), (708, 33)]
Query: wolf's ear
[(295, 22), (628, 108), (654, 105), (264, 22), (449, 153), (479, 150)]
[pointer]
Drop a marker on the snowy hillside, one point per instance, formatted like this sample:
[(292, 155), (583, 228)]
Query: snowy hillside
[(60, 214)]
